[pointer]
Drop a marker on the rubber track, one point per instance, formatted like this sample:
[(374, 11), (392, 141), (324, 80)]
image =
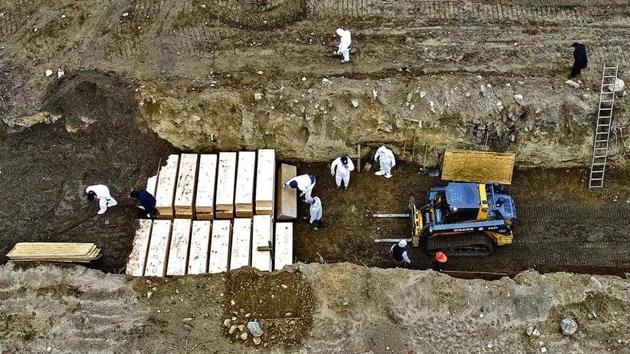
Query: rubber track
[(448, 243)]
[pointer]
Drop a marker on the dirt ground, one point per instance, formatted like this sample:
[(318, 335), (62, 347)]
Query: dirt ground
[(349, 308), (561, 225), (93, 137)]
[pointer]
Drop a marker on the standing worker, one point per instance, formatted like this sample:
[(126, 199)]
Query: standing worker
[(386, 161), (581, 60), (344, 44), (439, 262), (399, 253), (147, 202), (340, 169), (304, 183), (100, 192), (316, 210)]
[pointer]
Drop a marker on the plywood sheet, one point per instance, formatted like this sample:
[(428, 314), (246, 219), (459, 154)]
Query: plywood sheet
[(287, 197), (186, 178), (199, 247), (56, 249), (226, 179), (478, 166), (206, 182), (158, 249), (220, 246), (244, 197), (166, 187), (138, 256), (241, 241), (261, 237), (265, 181), (283, 249), (178, 254)]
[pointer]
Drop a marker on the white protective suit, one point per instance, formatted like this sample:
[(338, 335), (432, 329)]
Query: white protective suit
[(344, 44), (341, 171), (105, 199), (316, 210), (304, 183), (386, 160)]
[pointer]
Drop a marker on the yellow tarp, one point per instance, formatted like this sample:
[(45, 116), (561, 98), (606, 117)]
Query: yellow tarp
[(478, 166)]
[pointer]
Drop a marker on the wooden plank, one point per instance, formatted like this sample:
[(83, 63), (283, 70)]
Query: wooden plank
[(244, 195), (166, 187), (261, 237), (283, 249), (220, 246), (186, 178), (478, 166), (152, 185), (51, 249), (287, 197), (138, 256), (265, 177), (178, 254), (204, 201), (199, 247), (226, 179), (158, 249), (241, 240)]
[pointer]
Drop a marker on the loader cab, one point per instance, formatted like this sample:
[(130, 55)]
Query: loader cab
[(466, 202)]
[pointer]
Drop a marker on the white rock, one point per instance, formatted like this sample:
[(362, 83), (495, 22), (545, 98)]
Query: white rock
[(355, 102), (326, 81), (63, 16), (259, 72), (60, 73), (258, 96), (572, 83), (618, 86), (125, 14), (374, 93), (543, 349), (568, 326), (424, 93), (518, 97), (303, 78), (48, 348), (257, 340), (283, 285), (49, 72)]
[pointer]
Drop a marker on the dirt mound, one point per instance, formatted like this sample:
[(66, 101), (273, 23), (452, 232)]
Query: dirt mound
[(281, 302), (95, 138)]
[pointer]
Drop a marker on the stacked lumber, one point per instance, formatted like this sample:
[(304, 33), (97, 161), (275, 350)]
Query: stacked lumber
[(138, 256), (287, 197), (244, 196), (478, 166), (283, 250), (265, 181), (261, 239), (186, 179), (69, 252), (166, 187), (225, 185), (204, 201)]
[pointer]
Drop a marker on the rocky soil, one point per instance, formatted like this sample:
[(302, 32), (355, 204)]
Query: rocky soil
[(427, 75), (352, 309)]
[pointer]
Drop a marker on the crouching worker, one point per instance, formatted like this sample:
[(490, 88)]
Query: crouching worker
[(316, 210), (399, 254), (304, 183), (439, 262), (100, 192), (147, 202)]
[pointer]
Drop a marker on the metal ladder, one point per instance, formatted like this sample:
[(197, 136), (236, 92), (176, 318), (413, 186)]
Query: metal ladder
[(602, 129)]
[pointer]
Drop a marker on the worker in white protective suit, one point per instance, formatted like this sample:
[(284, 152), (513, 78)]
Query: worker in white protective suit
[(344, 44), (386, 161), (304, 183), (340, 169), (316, 210), (100, 192)]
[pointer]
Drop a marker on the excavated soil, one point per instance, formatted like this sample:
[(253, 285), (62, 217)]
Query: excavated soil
[(93, 136), (353, 309)]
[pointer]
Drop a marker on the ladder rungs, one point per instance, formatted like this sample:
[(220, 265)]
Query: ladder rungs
[(599, 164)]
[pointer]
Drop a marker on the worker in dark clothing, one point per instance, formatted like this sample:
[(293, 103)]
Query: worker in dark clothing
[(147, 202), (581, 60), (439, 262), (399, 254)]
